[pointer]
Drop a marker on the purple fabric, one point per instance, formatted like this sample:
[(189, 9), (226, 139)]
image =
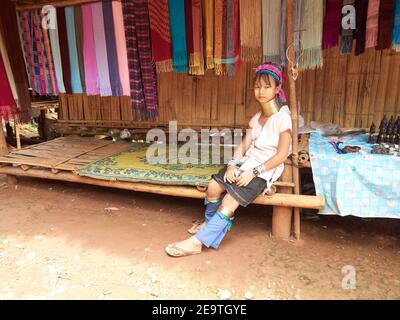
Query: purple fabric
[(332, 22), (111, 49), (101, 49)]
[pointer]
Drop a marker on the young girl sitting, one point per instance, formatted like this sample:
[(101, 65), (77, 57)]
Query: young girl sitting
[(256, 164)]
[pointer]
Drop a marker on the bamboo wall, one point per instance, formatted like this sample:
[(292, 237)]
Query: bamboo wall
[(349, 91)]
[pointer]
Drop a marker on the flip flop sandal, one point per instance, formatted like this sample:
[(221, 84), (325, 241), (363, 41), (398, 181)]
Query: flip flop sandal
[(174, 251), (197, 225)]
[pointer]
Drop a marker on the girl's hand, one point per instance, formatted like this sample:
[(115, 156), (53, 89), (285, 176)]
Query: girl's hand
[(245, 178), (230, 174)]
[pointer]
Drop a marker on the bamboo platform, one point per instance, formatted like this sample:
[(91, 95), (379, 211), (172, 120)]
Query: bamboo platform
[(57, 159), (65, 153)]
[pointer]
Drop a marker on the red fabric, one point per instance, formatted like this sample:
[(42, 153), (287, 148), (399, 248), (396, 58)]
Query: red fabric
[(7, 103), (160, 31)]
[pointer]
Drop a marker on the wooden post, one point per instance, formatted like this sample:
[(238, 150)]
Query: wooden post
[(282, 216), (294, 110), (3, 142), (17, 132)]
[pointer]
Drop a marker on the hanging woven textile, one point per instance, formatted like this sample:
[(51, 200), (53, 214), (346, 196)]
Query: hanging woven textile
[(160, 35), (143, 78), (120, 42), (112, 58), (283, 36), (332, 21), (89, 53), (8, 108), (7, 65), (55, 49), (64, 53), (101, 49), (362, 13), (371, 37), (396, 27), (208, 18), (9, 30), (250, 30), (178, 34), (347, 35), (297, 26), (227, 37), (194, 36), (312, 13), (79, 44), (27, 40), (49, 55), (76, 84), (386, 19), (271, 24)]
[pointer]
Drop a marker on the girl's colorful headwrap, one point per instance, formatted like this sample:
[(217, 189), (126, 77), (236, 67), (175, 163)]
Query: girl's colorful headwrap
[(276, 72)]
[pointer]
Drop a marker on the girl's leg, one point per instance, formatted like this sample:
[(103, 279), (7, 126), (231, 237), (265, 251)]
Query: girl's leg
[(216, 228), (212, 202), (211, 234)]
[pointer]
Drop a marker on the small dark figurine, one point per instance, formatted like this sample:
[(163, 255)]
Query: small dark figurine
[(382, 133), (384, 122), (372, 131)]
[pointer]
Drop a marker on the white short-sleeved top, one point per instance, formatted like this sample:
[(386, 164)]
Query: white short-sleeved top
[(264, 142)]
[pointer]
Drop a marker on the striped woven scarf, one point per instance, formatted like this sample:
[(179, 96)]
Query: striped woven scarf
[(160, 35), (142, 71), (312, 16), (227, 37), (396, 27), (176, 10), (386, 17), (332, 22), (371, 39), (194, 36), (208, 14), (271, 24), (50, 62), (24, 20), (362, 12), (346, 43), (250, 30)]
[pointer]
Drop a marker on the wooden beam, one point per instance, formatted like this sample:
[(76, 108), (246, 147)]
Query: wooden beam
[(282, 200), (54, 4), (293, 109)]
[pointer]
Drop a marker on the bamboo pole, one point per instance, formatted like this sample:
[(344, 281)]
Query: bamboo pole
[(293, 108), (54, 4), (17, 132), (3, 142), (281, 200)]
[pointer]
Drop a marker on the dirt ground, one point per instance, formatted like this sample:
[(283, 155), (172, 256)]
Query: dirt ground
[(70, 241)]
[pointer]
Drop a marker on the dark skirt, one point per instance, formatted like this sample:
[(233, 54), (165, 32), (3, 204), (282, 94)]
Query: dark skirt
[(243, 195)]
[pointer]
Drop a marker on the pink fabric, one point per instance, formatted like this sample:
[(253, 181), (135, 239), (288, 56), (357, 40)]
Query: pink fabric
[(89, 53), (275, 69), (372, 28), (120, 43)]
